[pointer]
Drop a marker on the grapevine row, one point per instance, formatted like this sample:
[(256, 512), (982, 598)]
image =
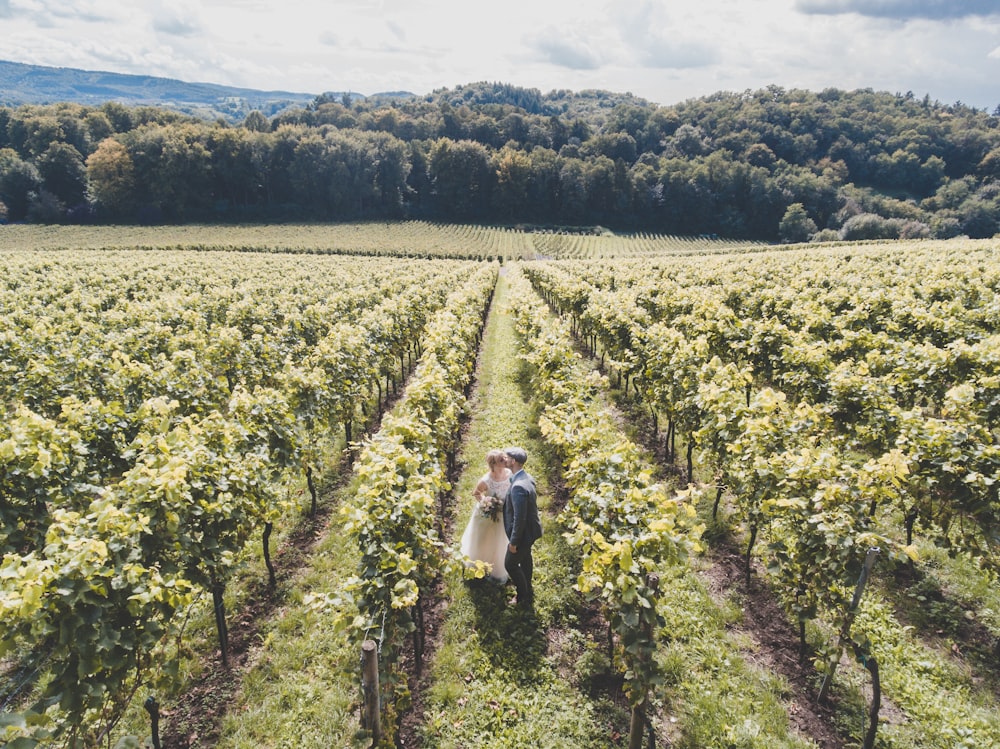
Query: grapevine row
[(819, 467), (402, 472), (628, 528), (933, 407), (153, 433)]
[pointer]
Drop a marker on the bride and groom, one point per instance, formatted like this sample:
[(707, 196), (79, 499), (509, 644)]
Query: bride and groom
[(505, 522)]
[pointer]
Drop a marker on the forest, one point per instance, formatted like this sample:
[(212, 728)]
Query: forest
[(770, 165)]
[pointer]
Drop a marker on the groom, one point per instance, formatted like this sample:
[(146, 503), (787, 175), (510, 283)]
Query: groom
[(520, 520)]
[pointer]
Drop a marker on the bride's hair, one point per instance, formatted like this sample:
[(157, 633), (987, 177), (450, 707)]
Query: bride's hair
[(493, 456)]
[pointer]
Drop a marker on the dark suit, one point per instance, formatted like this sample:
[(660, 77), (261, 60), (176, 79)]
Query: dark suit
[(520, 520)]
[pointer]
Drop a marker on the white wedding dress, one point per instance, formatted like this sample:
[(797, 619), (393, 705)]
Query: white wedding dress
[(484, 539)]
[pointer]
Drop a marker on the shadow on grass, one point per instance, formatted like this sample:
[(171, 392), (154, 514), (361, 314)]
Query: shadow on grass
[(921, 601), (509, 637)]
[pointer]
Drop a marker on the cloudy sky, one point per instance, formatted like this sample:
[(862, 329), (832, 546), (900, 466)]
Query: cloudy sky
[(665, 51)]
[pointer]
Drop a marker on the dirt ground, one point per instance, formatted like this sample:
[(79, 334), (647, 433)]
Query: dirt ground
[(197, 715), (776, 640)]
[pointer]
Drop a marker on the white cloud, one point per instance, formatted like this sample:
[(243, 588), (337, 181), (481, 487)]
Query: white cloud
[(48, 13), (176, 19), (660, 37), (565, 51), (662, 51), (903, 9)]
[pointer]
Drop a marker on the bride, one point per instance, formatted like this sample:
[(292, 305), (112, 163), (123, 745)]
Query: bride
[(485, 539)]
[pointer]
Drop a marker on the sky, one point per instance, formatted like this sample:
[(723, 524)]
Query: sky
[(665, 51)]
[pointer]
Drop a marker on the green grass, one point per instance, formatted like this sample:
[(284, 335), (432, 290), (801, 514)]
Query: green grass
[(713, 696), (302, 689), (712, 690), (500, 677), (965, 583), (197, 646)]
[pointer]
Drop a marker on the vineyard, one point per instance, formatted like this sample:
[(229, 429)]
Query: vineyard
[(405, 239), (236, 460)]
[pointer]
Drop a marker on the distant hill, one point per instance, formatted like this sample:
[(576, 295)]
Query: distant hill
[(37, 84)]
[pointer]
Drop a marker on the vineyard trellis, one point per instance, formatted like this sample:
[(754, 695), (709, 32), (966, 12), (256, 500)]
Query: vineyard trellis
[(829, 394), (157, 404), (151, 422)]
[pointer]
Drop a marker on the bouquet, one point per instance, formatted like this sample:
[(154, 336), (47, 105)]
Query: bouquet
[(490, 507)]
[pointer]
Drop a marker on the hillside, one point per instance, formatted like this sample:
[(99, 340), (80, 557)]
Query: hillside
[(37, 84)]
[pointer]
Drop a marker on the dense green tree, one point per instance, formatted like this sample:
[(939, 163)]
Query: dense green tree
[(758, 154), (98, 126), (45, 208), (305, 171), (256, 121), (5, 115), (869, 226), (600, 190), (647, 192), (945, 226), (515, 127), (122, 118), (172, 170), (111, 175), (280, 147), (543, 188), (731, 163), (347, 174), (19, 180), (687, 141), (390, 157), (513, 171), (951, 194), (558, 133), (580, 130), (979, 217), (615, 146), (64, 173), (236, 179), (629, 120), (461, 178), (32, 130), (796, 226), (989, 167), (418, 182), (572, 192)]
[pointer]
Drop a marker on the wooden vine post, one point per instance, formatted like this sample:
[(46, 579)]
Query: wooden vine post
[(218, 591), (845, 630), (371, 710), (869, 662), (639, 720), (152, 706)]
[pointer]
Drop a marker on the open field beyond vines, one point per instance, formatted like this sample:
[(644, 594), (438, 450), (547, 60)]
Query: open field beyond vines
[(232, 455), (400, 239)]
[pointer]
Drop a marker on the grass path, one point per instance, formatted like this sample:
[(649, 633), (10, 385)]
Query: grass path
[(500, 677), (551, 688)]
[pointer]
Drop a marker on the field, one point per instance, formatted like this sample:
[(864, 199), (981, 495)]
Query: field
[(232, 455), (413, 238)]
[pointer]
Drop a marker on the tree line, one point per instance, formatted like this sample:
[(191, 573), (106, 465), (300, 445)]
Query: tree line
[(771, 164)]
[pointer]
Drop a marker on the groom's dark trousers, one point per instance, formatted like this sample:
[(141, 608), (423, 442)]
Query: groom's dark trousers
[(520, 519), (520, 567)]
